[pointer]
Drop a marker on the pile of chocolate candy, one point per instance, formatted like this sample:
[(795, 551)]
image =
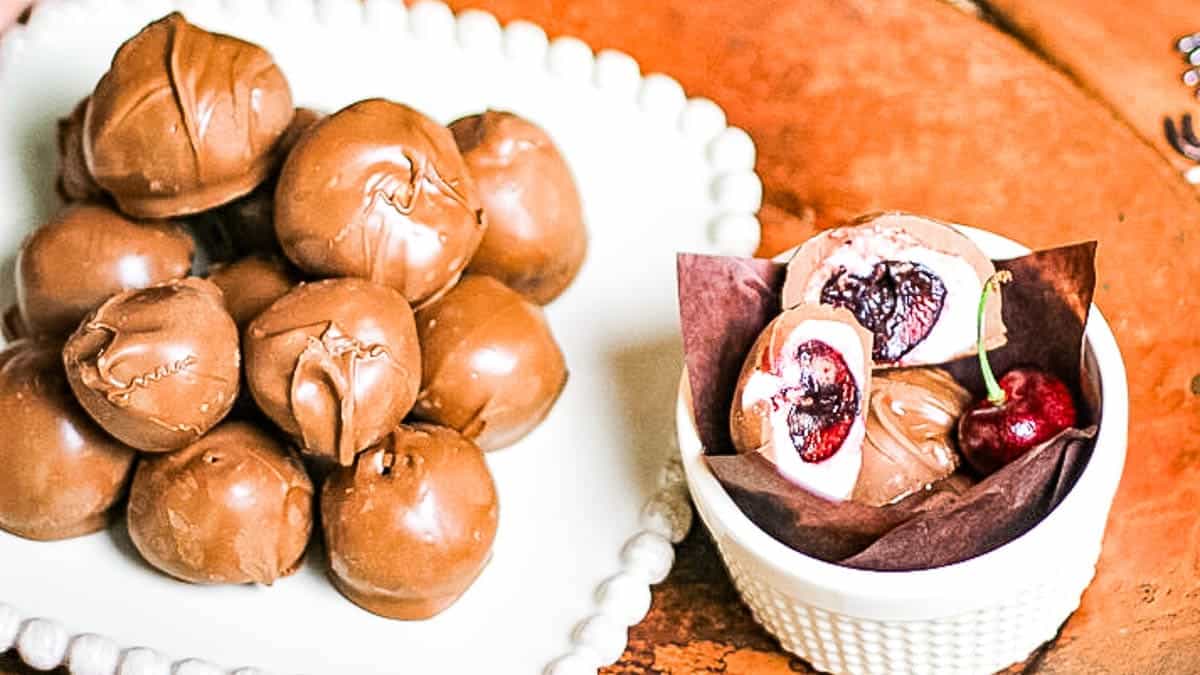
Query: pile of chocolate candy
[(243, 298)]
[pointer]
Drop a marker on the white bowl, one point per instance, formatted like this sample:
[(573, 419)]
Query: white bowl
[(977, 616)]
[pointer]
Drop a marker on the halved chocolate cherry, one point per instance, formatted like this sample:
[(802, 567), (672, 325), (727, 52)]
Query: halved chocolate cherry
[(911, 281), (799, 399), (899, 302)]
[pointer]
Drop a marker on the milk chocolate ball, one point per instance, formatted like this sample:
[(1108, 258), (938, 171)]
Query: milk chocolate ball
[(379, 191), (410, 526), (61, 473), (251, 284), (184, 120), (87, 253), (157, 367), (75, 182), (491, 367), (235, 507), (535, 240), (335, 364)]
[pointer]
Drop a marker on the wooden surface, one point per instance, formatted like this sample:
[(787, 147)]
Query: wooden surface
[(858, 105)]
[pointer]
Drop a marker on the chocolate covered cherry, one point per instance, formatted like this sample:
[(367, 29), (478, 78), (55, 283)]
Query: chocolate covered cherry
[(184, 120), (235, 507), (87, 253), (491, 367), (410, 526), (911, 281), (61, 473), (378, 190), (157, 367), (535, 240), (800, 398), (336, 364)]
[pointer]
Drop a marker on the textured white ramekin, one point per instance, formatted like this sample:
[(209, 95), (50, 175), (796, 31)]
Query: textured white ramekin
[(977, 616)]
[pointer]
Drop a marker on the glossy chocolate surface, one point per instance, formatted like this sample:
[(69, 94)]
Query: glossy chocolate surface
[(535, 240), (247, 224), (75, 182), (410, 526), (335, 363), (234, 507), (157, 367), (61, 473), (87, 253), (251, 284), (185, 120), (491, 367), (13, 325), (379, 191), (909, 445)]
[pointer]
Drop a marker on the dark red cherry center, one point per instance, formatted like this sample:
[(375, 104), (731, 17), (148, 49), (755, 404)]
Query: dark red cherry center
[(823, 402), (899, 301)]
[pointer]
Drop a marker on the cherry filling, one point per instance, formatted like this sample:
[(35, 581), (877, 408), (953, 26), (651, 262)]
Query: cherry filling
[(898, 302), (824, 402)]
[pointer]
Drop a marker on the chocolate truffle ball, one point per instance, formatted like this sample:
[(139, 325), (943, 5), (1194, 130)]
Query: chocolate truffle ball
[(491, 367), (410, 526), (75, 182), (87, 253), (61, 472), (535, 240), (251, 284), (335, 364), (157, 367), (184, 120), (912, 416), (234, 507), (379, 191)]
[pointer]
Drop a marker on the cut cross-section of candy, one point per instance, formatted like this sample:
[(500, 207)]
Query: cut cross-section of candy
[(801, 396), (911, 281)]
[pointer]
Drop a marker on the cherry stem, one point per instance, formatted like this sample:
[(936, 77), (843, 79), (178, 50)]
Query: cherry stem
[(995, 394)]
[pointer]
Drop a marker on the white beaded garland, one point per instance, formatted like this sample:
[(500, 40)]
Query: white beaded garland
[(42, 643), (93, 655), (649, 555), (604, 636), (625, 597)]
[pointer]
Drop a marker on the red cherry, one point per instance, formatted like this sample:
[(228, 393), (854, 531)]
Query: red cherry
[(1036, 406), (1027, 407)]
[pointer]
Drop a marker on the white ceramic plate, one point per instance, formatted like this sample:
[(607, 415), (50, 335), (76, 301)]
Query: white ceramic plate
[(587, 508)]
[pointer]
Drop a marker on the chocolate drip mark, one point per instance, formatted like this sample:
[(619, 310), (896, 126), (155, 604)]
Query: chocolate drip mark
[(184, 96), (324, 378), (375, 234)]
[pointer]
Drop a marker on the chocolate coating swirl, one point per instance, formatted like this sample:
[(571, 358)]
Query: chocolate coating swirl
[(157, 367), (335, 364), (909, 444), (379, 191)]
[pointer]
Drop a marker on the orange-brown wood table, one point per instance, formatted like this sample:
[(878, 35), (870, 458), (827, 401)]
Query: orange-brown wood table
[(859, 105)]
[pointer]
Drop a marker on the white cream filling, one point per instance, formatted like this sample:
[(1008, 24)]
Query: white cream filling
[(834, 477)]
